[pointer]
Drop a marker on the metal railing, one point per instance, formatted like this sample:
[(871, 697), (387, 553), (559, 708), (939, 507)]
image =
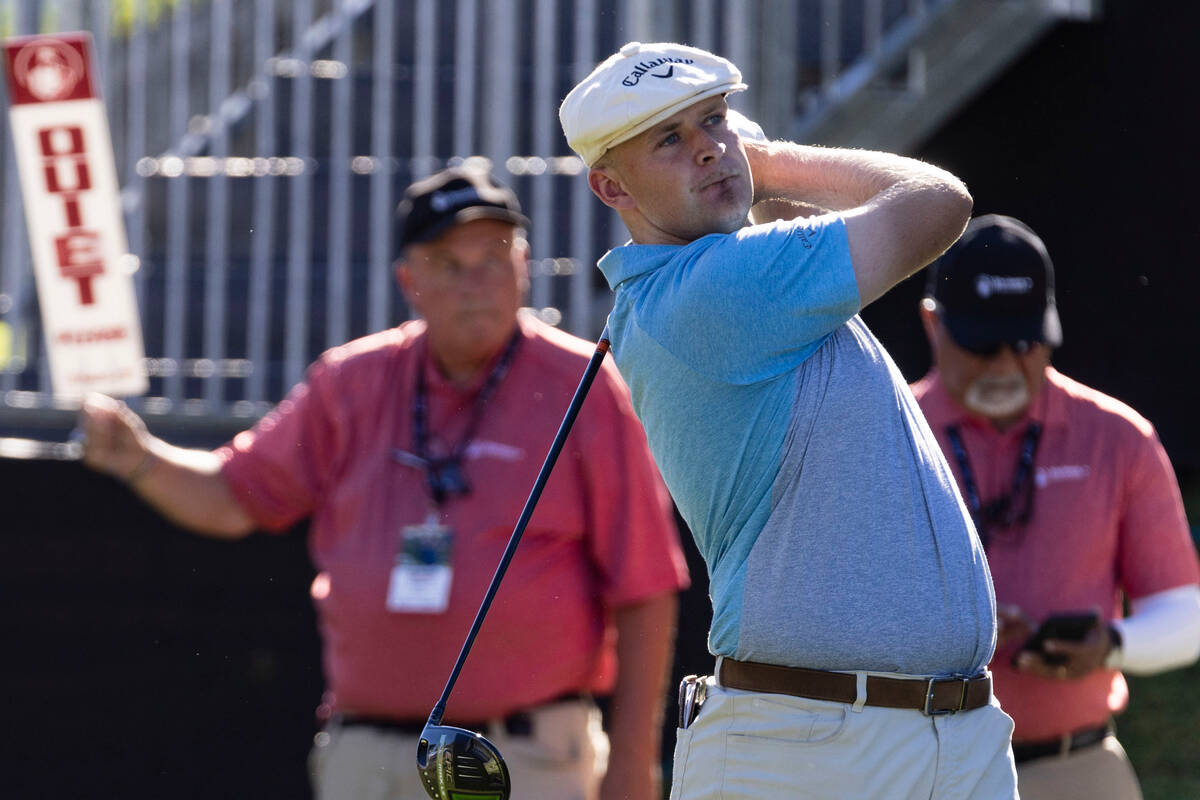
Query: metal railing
[(262, 146)]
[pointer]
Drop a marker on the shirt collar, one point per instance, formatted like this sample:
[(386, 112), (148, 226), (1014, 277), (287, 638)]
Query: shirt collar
[(631, 260)]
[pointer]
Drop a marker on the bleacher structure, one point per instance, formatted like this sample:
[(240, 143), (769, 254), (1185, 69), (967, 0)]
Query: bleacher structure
[(262, 146)]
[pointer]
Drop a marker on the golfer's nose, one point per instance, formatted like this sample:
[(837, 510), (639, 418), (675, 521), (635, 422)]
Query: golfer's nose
[(708, 149)]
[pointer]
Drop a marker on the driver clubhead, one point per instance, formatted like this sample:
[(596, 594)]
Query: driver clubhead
[(457, 764)]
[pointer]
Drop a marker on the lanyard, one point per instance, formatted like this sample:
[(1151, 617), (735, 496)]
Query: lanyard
[(1003, 511), (444, 475)]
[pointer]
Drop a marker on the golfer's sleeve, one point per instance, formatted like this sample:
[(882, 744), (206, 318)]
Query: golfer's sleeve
[(276, 470), (632, 533), (752, 305)]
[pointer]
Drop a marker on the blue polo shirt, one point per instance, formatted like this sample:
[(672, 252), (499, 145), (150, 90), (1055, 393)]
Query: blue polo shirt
[(833, 531)]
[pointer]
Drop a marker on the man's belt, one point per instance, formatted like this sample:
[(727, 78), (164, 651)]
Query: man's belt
[(932, 696), (1068, 743), (519, 723)]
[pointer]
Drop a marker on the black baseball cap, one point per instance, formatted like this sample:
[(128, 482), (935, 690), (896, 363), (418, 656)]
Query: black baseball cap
[(995, 286), (433, 205)]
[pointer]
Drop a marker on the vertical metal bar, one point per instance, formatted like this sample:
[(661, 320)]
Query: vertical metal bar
[(915, 81), (15, 267), (873, 26), (382, 95), (27, 17), (466, 61), (635, 15), (583, 205), (217, 239), (635, 20), (135, 144), (737, 47), (831, 43), (102, 36), (178, 211), (500, 80), (703, 30), (263, 225), (545, 126), (424, 73), (340, 198), (300, 202), (778, 48), (44, 385)]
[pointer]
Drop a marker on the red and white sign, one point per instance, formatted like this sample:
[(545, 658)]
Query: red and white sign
[(73, 210)]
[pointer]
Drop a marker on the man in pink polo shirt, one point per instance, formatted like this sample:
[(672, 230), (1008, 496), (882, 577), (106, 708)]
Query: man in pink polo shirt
[(413, 451), (1077, 506)]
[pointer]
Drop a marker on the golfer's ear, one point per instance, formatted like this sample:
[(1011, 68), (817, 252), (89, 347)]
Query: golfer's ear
[(607, 186)]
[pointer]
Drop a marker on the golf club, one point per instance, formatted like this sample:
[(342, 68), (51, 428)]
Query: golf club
[(454, 763)]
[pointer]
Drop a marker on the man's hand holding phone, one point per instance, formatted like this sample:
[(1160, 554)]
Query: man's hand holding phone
[(1066, 646)]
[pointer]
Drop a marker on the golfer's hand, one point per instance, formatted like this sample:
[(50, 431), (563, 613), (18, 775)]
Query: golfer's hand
[(1012, 626), (115, 440), (1082, 656)]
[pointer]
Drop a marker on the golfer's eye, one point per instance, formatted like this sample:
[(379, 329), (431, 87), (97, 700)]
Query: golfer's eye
[(669, 139), (716, 119)]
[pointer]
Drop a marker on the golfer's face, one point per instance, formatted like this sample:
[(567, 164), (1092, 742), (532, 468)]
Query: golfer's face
[(468, 285), (688, 174)]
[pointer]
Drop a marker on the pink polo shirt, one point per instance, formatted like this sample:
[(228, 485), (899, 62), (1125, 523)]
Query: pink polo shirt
[(602, 535), (1107, 519)]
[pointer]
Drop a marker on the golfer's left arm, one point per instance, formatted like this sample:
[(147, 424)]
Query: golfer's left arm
[(645, 634), (900, 213)]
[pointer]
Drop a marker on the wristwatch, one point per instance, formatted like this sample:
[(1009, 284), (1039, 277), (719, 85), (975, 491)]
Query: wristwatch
[(1115, 653)]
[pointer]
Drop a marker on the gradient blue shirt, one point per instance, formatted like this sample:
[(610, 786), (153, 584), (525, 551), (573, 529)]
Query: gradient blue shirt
[(833, 531)]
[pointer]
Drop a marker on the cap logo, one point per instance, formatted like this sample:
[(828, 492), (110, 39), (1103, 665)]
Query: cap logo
[(642, 67), (444, 200), (988, 285)]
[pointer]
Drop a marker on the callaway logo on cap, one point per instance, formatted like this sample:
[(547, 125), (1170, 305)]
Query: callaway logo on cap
[(638, 87)]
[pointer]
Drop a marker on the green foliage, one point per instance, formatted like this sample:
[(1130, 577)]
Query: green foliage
[(1161, 733)]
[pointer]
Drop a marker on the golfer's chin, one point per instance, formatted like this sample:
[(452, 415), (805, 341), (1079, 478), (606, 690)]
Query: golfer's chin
[(735, 219)]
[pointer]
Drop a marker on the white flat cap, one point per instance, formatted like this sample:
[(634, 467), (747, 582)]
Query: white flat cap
[(638, 87)]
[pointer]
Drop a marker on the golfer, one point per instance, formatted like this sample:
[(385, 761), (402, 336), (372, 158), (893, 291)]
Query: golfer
[(853, 611)]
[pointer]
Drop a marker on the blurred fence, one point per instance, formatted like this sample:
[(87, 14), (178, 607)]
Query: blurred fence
[(262, 146)]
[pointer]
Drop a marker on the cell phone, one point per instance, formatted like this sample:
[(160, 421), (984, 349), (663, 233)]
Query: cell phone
[(1071, 627)]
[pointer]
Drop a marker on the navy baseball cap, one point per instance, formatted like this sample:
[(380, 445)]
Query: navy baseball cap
[(433, 205), (995, 285)]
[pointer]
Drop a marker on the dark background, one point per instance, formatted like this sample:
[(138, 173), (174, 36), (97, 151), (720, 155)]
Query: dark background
[(141, 661)]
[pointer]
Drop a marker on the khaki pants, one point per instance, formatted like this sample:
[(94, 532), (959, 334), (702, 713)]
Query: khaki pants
[(756, 746), (1100, 772), (564, 758)]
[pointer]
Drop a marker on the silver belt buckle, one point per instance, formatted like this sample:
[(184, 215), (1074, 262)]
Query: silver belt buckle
[(940, 712)]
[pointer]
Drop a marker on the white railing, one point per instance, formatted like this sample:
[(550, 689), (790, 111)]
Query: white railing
[(262, 146)]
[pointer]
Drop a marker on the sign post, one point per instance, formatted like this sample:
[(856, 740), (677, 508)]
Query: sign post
[(81, 257)]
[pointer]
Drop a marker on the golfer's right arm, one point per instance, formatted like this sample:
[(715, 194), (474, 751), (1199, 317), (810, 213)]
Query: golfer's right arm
[(185, 486), (900, 213)]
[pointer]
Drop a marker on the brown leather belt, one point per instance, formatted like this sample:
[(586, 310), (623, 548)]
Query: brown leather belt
[(1069, 743), (932, 697)]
